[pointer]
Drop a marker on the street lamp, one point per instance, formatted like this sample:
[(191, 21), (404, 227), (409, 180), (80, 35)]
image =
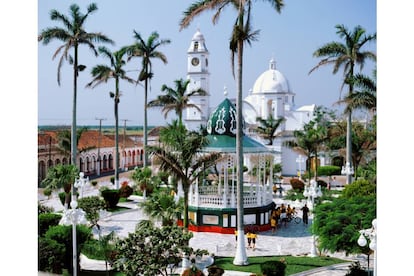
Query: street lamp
[(300, 160), (311, 192), (371, 234), (74, 216), (81, 182), (347, 170)]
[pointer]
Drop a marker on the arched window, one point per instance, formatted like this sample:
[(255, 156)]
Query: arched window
[(49, 164), (41, 171), (105, 163), (111, 162), (81, 164), (57, 161), (64, 161), (88, 164)]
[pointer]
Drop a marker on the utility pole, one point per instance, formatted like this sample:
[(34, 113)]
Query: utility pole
[(123, 146), (98, 167)]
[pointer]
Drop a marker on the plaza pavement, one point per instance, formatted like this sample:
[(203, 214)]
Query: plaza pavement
[(294, 239)]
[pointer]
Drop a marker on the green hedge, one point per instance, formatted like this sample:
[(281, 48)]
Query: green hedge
[(47, 220), (111, 197), (273, 268)]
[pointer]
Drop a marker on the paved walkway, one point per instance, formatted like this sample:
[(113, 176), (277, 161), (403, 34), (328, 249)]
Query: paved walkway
[(291, 240)]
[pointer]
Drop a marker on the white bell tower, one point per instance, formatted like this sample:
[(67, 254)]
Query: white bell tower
[(198, 74)]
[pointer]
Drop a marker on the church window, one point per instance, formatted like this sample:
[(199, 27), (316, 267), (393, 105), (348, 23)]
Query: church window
[(195, 45)]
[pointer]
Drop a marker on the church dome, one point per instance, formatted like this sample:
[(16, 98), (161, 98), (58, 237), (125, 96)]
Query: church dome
[(271, 81)]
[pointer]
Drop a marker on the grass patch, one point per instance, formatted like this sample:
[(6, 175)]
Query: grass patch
[(294, 264)]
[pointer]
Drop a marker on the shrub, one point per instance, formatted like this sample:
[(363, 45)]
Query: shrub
[(46, 220), (356, 270), (329, 170), (94, 183), (47, 192), (62, 234), (273, 268), (91, 205), (51, 255), (322, 183), (125, 191), (297, 184), (111, 197), (42, 209), (112, 179)]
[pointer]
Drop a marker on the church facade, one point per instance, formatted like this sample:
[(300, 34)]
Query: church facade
[(271, 95)]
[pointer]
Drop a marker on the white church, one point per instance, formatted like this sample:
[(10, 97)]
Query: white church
[(271, 95)]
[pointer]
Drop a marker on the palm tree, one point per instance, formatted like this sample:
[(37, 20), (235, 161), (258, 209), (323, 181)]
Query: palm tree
[(61, 176), (177, 99), (64, 140), (72, 35), (241, 34), (364, 96), (101, 74), (346, 55), (268, 127), (147, 51), (180, 156)]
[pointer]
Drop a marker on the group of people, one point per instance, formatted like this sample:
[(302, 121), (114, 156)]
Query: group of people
[(281, 215), (251, 236)]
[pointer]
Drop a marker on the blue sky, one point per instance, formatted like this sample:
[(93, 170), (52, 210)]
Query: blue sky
[(290, 37)]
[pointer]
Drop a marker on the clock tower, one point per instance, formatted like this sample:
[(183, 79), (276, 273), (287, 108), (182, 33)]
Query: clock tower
[(198, 74)]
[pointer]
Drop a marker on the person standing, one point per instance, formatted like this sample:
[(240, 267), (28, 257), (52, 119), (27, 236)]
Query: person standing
[(305, 213), (253, 237)]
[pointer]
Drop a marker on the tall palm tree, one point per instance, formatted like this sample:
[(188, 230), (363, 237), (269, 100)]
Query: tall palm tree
[(72, 35), (177, 99), (64, 140), (101, 74), (180, 156), (147, 51), (241, 34), (346, 55), (364, 95), (267, 127)]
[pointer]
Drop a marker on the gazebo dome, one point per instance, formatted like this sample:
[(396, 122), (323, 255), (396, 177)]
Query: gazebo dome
[(271, 81), (221, 129)]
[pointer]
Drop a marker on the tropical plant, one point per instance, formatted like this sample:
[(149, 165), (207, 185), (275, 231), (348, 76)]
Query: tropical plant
[(177, 100), (146, 50), (267, 127), (61, 176), (91, 205), (347, 55), (73, 34), (242, 33), (180, 156), (162, 206), (144, 179), (311, 139), (101, 74), (152, 250), (64, 141)]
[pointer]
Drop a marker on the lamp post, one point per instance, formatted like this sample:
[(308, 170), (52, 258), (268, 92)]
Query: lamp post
[(81, 182), (300, 160), (347, 170), (371, 234), (311, 192), (74, 216)]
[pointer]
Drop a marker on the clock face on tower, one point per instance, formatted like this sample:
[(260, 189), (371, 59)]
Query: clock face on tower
[(195, 61)]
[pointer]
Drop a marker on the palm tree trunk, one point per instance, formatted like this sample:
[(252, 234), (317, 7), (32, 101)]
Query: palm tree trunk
[(145, 122), (241, 255), (185, 221), (349, 145), (73, 139), (116, 101)]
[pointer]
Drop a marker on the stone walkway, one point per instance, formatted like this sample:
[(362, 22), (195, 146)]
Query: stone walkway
[(291, 240)]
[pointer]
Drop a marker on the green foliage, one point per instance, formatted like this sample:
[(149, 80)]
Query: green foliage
[(356, 270), (100, 249), (361, 187), (112, 179), (125, 191), (161, 205), (149, 250), (273, 268), (297, 184), (294, 195), (144, 179), (46, 220), (47, 192), (42, 209), (111, 197), (337, 222), (62, 234), (94, 183), (51, 255), (91, 205), (329, 170)]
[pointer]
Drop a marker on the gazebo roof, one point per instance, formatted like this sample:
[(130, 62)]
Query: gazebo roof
[(221, 128)]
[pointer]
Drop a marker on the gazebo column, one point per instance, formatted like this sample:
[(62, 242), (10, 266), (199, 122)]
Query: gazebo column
[(196, 194)]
